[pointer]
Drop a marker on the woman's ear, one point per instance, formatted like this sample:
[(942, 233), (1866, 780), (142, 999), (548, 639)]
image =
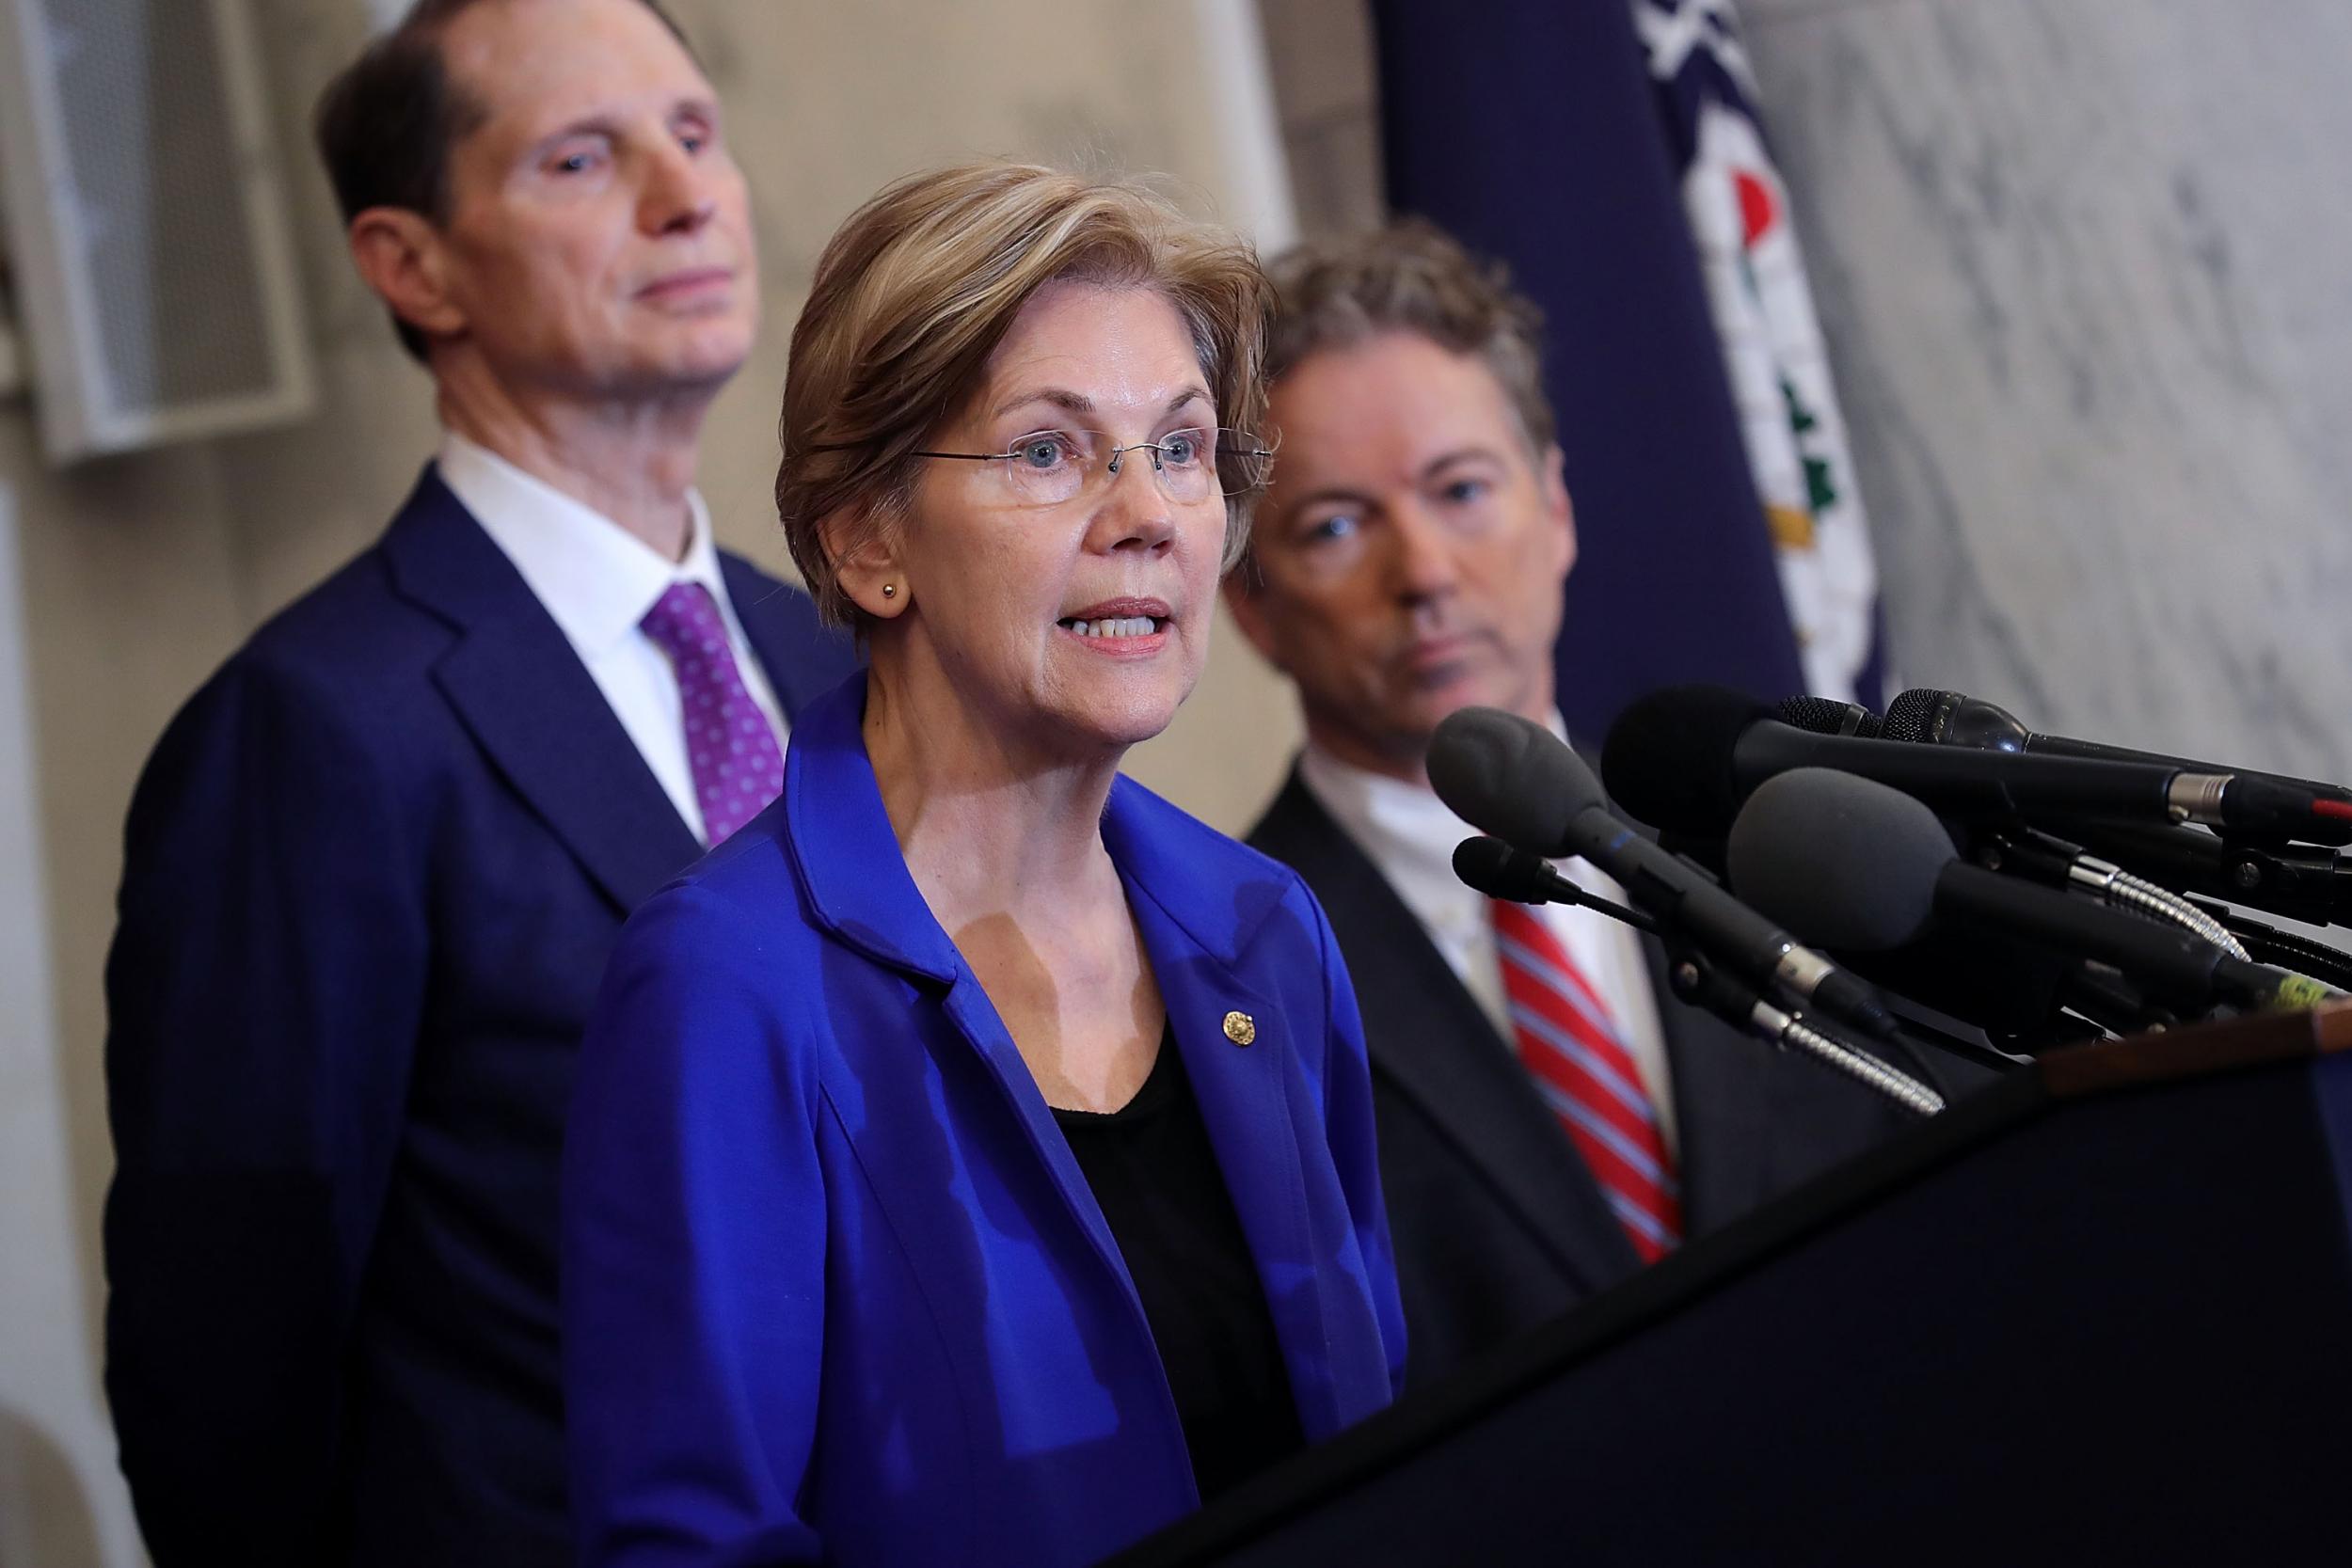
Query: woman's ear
[(866, 562)]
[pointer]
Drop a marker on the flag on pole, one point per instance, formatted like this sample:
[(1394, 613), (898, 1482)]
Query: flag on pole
[(1773, 354), (1532, 130)]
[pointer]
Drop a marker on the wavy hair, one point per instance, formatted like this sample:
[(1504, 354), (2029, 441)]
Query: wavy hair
[(916, 289)]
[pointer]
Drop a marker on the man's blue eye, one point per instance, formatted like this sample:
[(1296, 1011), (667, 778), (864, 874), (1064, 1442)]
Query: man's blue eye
[(1465, 490)]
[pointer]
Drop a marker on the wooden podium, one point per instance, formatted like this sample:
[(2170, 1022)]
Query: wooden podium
[(2099, 1313)]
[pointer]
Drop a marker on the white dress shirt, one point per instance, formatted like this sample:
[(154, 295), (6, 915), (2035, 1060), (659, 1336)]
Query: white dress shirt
[(598, 581), (1410, 834)]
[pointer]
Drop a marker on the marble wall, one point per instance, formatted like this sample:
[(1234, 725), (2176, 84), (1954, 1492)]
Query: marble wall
[(2089, 296), (2086, 273), (137, 575)]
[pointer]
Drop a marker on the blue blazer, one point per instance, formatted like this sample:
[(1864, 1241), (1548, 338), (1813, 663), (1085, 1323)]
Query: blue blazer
[(833, 1285), (371, 877)]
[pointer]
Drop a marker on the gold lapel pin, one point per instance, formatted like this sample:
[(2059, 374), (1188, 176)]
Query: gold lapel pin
[(1240, 1028)]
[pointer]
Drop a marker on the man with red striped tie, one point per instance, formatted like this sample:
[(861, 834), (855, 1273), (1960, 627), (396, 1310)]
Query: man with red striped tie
[(1551, 1119)]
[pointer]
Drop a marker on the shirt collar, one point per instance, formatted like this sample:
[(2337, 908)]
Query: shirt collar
[(595, 577), (1404, 827)]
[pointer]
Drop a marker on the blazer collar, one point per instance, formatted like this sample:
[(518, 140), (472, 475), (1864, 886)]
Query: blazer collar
[(842, 845), (858, 884), (531, 705)]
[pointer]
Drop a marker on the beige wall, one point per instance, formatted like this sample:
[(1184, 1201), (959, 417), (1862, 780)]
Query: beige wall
[(140, 573)]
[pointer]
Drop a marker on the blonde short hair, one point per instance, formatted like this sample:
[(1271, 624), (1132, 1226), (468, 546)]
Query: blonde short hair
[(917, 289)]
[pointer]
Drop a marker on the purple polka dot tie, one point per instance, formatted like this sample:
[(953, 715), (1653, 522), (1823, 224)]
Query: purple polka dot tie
[(737, 769)]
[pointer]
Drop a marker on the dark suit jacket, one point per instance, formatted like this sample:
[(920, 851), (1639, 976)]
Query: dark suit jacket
[(372, 873), (1497, 1222)]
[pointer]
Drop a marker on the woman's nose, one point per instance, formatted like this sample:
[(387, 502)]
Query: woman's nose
[(1136, 510)]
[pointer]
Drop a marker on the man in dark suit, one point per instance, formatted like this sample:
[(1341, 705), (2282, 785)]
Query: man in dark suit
[(1550, 1115), (374, 868)]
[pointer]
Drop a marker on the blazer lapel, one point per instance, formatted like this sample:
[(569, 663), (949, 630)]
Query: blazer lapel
[(858, 883), (1247, 1092), (1436, 1047), (802, 657), (531, 706)]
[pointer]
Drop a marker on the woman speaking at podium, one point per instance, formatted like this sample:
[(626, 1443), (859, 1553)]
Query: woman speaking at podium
[(973, 1159)]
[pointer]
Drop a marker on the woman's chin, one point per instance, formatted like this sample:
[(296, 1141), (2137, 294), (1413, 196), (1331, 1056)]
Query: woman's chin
[(1116, 709), (1110, 725)]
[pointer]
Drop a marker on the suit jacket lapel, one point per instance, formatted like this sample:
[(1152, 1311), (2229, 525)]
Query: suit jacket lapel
[(1429, 1039), (804, 657), (531, 706)]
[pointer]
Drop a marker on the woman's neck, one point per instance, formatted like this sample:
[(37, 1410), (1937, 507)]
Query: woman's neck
[(989, 827)]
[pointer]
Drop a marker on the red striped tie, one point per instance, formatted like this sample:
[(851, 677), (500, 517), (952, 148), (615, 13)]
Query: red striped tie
[(1572, 1049)]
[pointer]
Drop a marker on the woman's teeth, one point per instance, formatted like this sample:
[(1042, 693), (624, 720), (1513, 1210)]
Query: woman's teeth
[(1122, 626)]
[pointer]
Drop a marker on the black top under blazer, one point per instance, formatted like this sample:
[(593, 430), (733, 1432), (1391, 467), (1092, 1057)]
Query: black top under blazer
[(371, 877), (1497, 1224)]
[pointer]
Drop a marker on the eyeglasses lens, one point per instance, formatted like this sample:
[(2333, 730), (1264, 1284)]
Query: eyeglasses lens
[(1053, 466)]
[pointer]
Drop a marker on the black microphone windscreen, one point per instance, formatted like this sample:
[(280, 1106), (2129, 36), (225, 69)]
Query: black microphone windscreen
[(1910, 716), (1668, 759), (1490, 866), (1485, 866), (1510, 777), (1828, 716), (1841, 860)]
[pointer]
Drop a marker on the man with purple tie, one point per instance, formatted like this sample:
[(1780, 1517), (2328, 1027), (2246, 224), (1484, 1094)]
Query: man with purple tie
[(374, 867)]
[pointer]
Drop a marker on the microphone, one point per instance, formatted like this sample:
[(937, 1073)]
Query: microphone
[(2041, 857), (1856, 864), (2048, 859), (1954, 719), (1515, 779), (1490, 866), (1703, 985), (2309, 884), (1683, 758), (1828, 716), (2286, 949)]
